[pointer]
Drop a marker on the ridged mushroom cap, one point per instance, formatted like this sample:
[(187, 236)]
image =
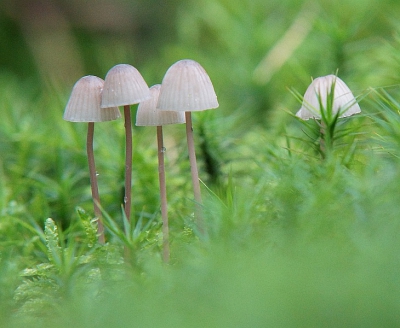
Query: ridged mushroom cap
[(124, 85), (84, 102), (148, 114), (344, 100), (186, 86)]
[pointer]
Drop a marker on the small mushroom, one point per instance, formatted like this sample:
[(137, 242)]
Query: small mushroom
[(148, 115), (125, 86), (316, 104), (84, 106), (327, 99), (187, 87)]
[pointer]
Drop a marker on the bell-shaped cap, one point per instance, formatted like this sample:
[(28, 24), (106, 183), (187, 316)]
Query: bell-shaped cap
[(124, 85), (148, 114), (84, 102), (343, 100), (186, 86)]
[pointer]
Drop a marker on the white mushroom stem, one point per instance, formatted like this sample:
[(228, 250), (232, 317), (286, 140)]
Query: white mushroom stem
[(194, 172), (163, 194), (128, 162), (93, 181)]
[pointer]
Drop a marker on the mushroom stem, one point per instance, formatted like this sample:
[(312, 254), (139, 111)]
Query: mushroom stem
[(326, 139), (163, 194), (128, 162), (194, 172), (93, 182), (322, 145)]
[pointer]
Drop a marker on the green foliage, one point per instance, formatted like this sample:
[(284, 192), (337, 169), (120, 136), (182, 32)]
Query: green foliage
[(293, 240), (331, 134), (71, 264), (388, 120)]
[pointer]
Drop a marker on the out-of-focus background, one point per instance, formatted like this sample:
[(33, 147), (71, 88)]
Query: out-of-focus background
[(252, 49)]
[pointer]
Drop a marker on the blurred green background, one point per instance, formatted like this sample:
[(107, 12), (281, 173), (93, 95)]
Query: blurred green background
[(314, 242), (252, 50)]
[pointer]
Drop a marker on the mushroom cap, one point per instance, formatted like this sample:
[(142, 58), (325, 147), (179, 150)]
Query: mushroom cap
[(344, 100), (124, 85), (148, 114), (84, 102), (186, 86)]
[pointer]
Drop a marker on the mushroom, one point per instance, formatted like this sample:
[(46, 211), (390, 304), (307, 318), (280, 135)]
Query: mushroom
[(84, 106), (316, 104), (327, 99), (187, 87), (148, 115), (125, 86)]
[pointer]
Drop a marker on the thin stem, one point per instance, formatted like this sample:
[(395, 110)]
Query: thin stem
[(322, 145), (128, 162), (194, 172), (93, 182), (326, 138), (163, 194)]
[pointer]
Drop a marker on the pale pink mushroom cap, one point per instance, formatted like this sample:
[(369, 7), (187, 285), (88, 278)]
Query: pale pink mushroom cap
[(186, 86), (148, 114), (84, 102), (124, 85), (344, 101)]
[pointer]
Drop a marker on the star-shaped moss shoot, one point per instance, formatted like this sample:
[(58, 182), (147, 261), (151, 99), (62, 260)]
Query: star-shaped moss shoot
[(186, 87), (125, 86), (327, 99), (148, 115), (84, 106)]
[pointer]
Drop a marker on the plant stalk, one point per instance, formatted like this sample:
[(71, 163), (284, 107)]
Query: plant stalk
[(93, 182), (195, 173), (326, 139), (128, 162), (322, 145), (163, 194)]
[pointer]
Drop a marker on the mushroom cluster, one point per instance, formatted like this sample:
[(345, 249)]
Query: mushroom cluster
[(186, 87)]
